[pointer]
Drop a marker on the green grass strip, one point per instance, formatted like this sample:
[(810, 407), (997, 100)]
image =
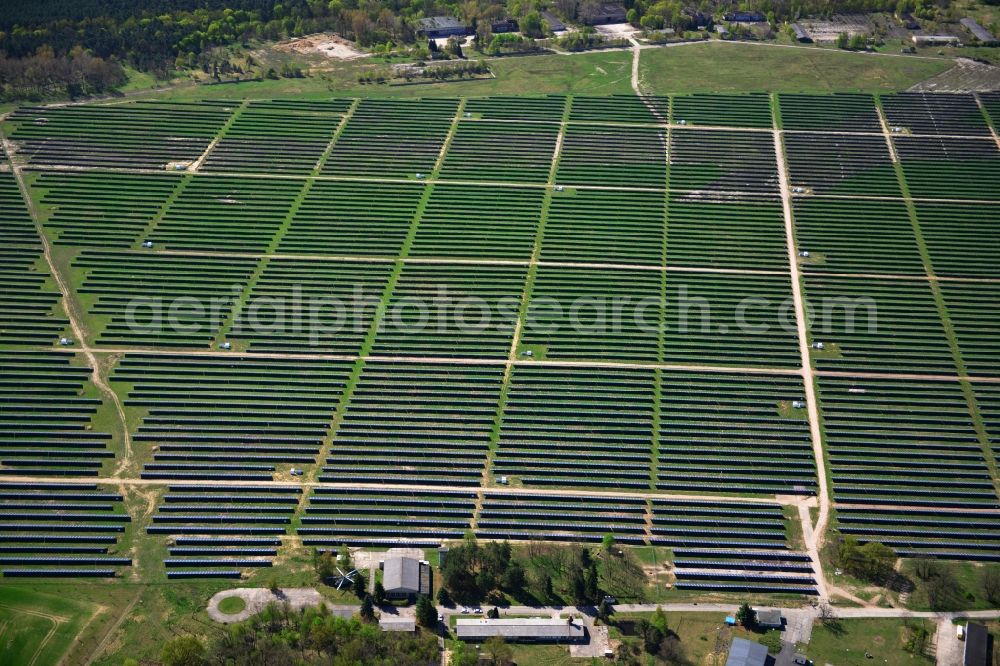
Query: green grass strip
[(237, 112)]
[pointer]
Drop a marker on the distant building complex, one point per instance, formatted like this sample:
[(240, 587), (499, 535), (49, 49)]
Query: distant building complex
[(745, 17), (435, 27), (604, 14)]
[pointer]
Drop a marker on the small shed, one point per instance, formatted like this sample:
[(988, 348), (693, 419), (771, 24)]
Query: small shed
[(769, 619), (801, 34)]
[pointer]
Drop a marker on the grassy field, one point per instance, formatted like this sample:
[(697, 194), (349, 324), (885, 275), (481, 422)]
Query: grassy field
[(723, 67), (845, 642), (544, 655), (709, 67), (968, 586), (603, 73), (232, 605), (138, 611), (39, 628), (698, 633)]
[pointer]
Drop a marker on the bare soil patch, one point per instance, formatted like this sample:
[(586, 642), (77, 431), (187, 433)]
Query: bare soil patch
[(324, 44)]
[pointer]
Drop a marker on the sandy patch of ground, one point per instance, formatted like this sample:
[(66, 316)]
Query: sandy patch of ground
[(596, 646), (465, 41), (617, 30), (324, 44)]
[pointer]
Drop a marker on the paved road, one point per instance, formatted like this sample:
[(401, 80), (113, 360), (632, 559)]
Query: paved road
[(256, 598), (798, 621), (950, 650), (804, 611)]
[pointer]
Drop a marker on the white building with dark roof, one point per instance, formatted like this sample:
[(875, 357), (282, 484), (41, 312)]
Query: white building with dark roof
[(521, 630), (405, 577)]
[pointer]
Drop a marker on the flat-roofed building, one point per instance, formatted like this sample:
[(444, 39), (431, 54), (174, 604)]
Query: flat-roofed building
[(436, 27), (977, 643), (934, 40), (522, 630), (396, 623)]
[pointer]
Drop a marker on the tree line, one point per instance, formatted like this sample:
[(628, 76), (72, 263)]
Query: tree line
[(537, 573), (44, 74), (152, 38), (280, 636)]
